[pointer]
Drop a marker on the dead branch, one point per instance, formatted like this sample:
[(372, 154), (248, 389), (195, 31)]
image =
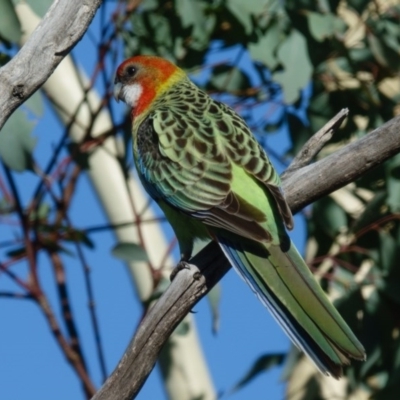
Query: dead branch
[(61, 28)]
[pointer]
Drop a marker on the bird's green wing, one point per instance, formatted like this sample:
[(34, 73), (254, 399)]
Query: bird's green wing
[(199, 156)]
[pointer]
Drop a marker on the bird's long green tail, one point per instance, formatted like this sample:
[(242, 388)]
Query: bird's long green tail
[(285, 285)]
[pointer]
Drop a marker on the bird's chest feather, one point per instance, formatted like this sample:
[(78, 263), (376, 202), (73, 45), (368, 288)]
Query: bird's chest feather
[(146, 143), (147, 156)]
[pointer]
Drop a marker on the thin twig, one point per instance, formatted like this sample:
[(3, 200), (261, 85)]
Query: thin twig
[(15, 278), (65, 303), (67, 193), (62, 209), (30, 251), (3, 189), (19, 296), (314, 145), (69, 353)]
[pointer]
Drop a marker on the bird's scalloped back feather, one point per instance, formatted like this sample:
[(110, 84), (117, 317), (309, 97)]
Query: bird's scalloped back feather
[(195, 141)]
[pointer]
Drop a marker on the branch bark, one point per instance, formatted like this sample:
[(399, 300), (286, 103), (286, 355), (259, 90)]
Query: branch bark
[(302, 187), (61, 28)]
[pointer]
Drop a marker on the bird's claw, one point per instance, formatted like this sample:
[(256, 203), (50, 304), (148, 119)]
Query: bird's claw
[(179, 267)]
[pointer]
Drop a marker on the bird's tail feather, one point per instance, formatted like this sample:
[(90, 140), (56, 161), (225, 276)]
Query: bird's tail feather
[(285, 285)]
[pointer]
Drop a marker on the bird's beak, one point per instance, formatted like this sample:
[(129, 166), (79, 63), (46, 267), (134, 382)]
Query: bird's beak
[(117, 90)]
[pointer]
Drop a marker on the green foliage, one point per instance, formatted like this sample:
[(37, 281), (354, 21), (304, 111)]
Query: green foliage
[(183, 328), (214, 299), (297, 69), (262, 364), (40, 7), (16, 143), (10, 28), (128, 251), (332, 218), (226, 78)]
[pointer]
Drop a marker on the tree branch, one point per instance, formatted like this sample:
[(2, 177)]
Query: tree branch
[(308, 184), (61, 28), (302, 187), (314, 145)]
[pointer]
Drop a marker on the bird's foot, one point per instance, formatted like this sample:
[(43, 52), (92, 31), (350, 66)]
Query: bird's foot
[(179, 267)]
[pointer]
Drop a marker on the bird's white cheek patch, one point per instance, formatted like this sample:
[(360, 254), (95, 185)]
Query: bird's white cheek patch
[(131, 94)]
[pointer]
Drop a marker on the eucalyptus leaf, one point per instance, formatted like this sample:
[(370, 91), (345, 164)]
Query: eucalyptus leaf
[(214, 299), (393, 183), (297, 67), (78, 236), (16, 252), (379, 50), (264, 50), (262, 364), (149, 5), (358, 5), (330, 216), (389, 237), (16, 142), (5, 206), (129, 251), (395, 172), (393, 200), (35, 104), (228, 79), (243, 11), (182, 329), (41, 213), (39, 7), (191, 12), (371, 211), (10, 27), (291, 359), (351, 305), (321, 26)]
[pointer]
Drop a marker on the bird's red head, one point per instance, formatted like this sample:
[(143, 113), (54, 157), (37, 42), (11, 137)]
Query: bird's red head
[(141, 79)]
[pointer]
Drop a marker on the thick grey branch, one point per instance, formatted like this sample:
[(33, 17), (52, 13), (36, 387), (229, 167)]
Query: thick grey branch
[(302, 187), (61, 28)]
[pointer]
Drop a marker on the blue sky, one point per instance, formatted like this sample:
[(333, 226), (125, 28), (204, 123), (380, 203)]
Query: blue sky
[(32, 366)]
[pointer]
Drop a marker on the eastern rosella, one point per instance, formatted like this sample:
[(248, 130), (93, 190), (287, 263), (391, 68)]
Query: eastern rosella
[(200, 162)]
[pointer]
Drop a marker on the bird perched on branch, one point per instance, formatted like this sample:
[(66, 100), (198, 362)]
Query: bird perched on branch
[(200, 162)]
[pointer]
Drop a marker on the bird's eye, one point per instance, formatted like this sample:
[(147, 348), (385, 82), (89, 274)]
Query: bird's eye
[(131, 70)]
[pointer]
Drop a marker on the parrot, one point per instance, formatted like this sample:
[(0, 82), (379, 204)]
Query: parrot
[(200, 162)]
